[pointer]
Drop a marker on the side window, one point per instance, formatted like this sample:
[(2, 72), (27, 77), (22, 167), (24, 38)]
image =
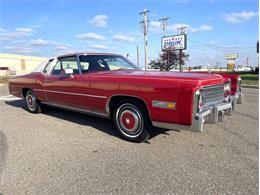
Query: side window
[(47, 67), (65, 63), (57, 68), (92, 63), (84, 66)]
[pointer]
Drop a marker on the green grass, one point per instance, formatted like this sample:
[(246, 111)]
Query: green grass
[(250, 82), (251, 77), (248, 78)]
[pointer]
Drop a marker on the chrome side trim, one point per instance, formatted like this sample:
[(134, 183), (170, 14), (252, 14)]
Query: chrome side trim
[(124, 95), (84, 111), (69, 93)]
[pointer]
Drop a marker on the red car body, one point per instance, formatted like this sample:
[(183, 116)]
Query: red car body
[(98, 92), (235, 94), (235, 79)]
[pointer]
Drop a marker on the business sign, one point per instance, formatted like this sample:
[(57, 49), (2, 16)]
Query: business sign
[(231, 56), (174, 42)]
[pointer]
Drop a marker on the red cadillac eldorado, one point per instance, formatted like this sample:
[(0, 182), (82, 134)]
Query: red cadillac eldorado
[(108, 85)]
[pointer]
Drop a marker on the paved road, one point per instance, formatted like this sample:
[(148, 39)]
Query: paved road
[(62, 152)]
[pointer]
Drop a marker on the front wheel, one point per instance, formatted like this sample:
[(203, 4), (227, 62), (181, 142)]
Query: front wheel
[(32, 103), (131, 119)]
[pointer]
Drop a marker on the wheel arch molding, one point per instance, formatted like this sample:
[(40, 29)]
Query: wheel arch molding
[(113, 100)]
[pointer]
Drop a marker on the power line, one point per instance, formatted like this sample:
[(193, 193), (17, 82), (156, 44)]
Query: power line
[(164, 23), (212, 45)]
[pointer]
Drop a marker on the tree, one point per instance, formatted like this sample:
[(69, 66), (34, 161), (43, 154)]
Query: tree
[(168, 60)]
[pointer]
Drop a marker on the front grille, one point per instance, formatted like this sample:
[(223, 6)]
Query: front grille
[(212, 94)]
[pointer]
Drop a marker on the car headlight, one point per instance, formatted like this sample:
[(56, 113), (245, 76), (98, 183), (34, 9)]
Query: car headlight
[(198, 95)]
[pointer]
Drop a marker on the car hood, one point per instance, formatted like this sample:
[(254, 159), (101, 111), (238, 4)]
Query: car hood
[(199, 78)]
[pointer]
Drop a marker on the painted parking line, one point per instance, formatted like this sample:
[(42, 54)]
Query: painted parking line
[(9, 98)]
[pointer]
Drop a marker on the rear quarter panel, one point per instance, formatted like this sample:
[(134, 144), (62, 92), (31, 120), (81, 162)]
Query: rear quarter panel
[(234, 81), (30, 81)]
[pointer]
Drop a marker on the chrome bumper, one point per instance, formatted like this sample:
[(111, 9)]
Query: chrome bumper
[(235, 99), (240, 97), (212, 115)]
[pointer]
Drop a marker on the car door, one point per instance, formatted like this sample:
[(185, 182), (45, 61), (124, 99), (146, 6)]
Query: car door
[(66, 89), (96, 86)]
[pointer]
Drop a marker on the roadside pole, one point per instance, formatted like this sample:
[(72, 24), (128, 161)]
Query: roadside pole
[(144, 24), (164, 23), (180, 60), (182, 31)]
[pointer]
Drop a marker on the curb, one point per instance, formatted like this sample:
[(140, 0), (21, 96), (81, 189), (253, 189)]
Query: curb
[(251, 86)]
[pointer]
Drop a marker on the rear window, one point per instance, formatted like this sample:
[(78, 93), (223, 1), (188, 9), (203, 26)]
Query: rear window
[(40, 67)]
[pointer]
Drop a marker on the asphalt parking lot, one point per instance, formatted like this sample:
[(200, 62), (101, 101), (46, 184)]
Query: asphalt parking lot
[(62, 152)]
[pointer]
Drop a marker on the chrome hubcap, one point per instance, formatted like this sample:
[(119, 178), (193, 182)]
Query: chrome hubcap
[(129, 120), (31, 101)]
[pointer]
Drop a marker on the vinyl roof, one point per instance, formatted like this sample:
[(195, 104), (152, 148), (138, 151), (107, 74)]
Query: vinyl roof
[(85, 53)]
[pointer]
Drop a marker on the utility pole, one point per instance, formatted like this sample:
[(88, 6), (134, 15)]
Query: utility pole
[(144, 24), (182, 31), (164, 24), (137, 55)]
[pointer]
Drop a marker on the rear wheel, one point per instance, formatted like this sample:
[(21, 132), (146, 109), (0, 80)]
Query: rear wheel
[(32, 103), (131, 120)]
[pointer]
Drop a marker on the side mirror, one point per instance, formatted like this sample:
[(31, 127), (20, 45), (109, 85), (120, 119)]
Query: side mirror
[(68, 71)]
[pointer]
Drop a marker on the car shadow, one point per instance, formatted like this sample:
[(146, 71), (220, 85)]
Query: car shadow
[(101, 124)]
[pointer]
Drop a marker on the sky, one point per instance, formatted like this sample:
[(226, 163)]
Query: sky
[(51, 27)]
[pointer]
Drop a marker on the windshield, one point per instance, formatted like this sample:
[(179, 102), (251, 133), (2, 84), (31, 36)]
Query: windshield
[(92, 63)]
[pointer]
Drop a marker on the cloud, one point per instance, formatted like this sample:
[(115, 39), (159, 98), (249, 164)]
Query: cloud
[(24, 30), (2, 30), (17, 34), (123, 38), (62, 49), (155, 26), (238, 17), (41, 42), (20, 49), (98, 47), (36, 46), (89, 36), (53, 45), (203, 27), (99, 20)]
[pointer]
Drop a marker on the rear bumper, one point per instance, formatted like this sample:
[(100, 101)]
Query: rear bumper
[(240, 97), (212, 115)]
